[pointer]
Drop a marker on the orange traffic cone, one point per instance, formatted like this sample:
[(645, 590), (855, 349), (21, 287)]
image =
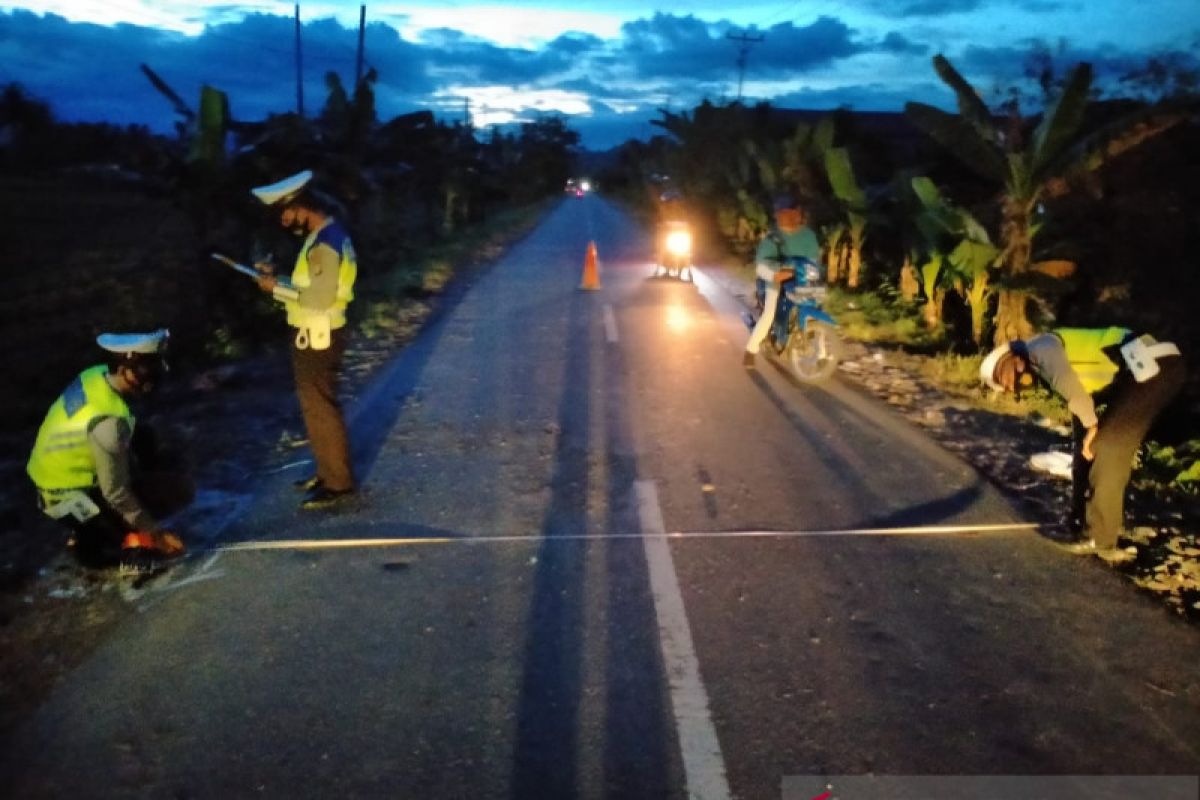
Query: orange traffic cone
[(591, 276)]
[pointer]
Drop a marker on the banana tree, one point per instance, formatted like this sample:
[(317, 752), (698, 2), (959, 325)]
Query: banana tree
[(1026, 168), (205, 130), (853, 207), (804, 157), (970, 254)]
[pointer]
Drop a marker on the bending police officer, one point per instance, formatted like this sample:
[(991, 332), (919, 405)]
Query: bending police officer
[(1136, 376), (97, 473), (321, 287)]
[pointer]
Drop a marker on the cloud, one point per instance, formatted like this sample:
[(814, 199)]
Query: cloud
[(90, 71), (900, 44), (670, 46), (922, 8), (455, 56)]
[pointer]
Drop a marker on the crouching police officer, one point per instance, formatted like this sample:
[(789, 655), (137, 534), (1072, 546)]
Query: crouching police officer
[(321, 287), (1136, 376), (95, 475)]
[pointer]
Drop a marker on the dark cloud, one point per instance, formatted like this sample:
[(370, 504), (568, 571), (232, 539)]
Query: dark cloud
[(899, 44), (866, 97), (670, 46), (941, 8), (91, 72), (996, 71), (923, 8), (454, 55)]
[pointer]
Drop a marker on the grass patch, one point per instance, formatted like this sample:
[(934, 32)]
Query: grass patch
[(883, 319)]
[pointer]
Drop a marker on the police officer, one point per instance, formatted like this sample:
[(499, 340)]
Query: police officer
[(790, 237), (1136, 376), (93, 473), (320, 289)]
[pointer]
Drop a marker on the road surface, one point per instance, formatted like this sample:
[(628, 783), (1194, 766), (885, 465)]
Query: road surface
[(615, 564)]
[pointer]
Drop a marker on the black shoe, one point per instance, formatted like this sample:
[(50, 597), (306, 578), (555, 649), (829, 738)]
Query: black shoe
[(322, 497), (748, 360), (307, 484)]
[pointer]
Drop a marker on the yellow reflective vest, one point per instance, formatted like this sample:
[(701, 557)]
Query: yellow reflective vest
[(62, 457), (335, 236), (1085, 350)]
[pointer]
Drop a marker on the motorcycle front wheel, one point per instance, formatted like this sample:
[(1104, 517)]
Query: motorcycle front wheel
[(812, 353)]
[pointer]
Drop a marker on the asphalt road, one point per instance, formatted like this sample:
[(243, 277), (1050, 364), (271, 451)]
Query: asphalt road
[(528, 629)]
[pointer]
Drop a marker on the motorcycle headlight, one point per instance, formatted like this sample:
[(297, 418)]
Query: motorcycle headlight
[(679, 243), (812, 273)]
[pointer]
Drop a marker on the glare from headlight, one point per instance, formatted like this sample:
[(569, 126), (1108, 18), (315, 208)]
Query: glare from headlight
[(678, 319), (679, 243)]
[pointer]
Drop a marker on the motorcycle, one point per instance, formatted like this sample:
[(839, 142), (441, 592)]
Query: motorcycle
[(802, 333), (673, 254)]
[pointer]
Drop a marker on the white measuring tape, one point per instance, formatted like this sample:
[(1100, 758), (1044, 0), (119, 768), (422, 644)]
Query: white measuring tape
[(336, 544)]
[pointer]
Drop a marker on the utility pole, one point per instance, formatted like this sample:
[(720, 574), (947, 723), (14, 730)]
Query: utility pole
[(299, 71), (362, 25), (745, 42)]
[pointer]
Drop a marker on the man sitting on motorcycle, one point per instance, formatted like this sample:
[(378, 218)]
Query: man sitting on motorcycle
[(788, 238), (672, 218)]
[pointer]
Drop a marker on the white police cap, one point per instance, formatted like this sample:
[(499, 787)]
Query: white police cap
[(283, 190), (153, 343)]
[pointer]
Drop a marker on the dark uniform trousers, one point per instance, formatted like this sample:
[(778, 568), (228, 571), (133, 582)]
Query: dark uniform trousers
[(316, 373), (1098, 487)]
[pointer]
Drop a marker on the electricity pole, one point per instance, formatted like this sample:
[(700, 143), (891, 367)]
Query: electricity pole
[(745, 42), (362, 25), (299, 71)]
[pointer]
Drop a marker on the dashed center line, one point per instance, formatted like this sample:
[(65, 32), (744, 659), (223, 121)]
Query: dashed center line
[(703, 764), (610, 324)]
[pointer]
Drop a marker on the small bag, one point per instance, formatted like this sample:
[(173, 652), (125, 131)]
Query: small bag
[(1141, 356)]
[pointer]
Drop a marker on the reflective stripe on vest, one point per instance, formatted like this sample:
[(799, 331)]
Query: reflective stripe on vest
[(334, 235), (62, 457), (1085, 350)]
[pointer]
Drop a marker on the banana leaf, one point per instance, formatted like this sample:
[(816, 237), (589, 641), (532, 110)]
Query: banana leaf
[(1061, 118), (959, 137)]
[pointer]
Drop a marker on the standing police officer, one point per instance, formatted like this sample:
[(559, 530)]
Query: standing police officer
[(94, 475), (321, 287), (1136, 376)]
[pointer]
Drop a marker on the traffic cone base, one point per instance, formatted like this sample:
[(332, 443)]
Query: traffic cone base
[(591, 274)]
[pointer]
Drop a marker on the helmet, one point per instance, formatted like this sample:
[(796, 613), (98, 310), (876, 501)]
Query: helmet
[(784, 201), (987, 370)]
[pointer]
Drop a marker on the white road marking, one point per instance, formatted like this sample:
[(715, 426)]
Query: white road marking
[(919, 530), (703, 764), (610, 324), (200, 576)]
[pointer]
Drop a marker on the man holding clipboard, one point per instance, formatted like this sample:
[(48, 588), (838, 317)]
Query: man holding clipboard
[(315, 298)]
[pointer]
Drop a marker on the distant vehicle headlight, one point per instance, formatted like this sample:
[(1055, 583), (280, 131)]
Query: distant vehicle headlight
[(679, 243)]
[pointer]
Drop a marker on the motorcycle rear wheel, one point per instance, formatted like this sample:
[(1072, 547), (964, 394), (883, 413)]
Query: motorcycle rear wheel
[(812, 353)]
